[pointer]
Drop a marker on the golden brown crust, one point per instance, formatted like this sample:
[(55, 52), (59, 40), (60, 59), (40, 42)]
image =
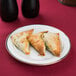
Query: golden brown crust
[(52, 41), (21, 42), (37, 42)]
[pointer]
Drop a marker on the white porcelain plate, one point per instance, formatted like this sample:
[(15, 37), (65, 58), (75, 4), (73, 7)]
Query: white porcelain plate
[(34, 58)]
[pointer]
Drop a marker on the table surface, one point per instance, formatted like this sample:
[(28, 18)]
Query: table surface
[(51, 13)]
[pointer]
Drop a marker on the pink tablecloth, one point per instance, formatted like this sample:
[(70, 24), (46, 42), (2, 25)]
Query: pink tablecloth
[(51, 13)]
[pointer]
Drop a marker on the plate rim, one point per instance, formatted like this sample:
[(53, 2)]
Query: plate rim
[(36, 63)]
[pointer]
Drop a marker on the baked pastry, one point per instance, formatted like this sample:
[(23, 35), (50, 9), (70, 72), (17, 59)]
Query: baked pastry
[(37, 42), (52, 42), (21, 42)]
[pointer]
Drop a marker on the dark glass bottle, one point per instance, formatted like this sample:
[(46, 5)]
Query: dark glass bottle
[(9, 10), (30, 8)]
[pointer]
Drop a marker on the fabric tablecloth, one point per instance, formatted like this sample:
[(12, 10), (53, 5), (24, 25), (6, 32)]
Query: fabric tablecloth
[(52, 13)]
